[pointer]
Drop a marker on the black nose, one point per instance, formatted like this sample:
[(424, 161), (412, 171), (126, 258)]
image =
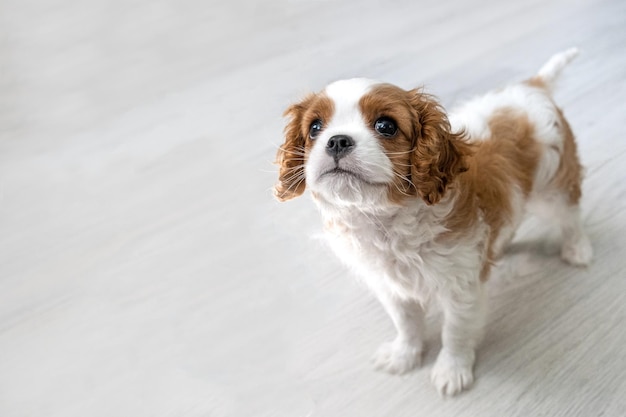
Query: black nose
[(339, 146)]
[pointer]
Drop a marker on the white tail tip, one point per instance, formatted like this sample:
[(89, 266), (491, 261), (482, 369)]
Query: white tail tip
[(551, 69)]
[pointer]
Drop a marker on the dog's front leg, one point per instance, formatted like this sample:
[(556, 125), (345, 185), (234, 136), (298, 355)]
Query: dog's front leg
[(464, 318), (405, 351)]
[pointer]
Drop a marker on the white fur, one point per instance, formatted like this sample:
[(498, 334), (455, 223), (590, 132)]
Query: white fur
[(551, 69), (552, 205), (394, 249)]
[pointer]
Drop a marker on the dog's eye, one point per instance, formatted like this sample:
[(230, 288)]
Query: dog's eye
[(315, 129), (386, 127)]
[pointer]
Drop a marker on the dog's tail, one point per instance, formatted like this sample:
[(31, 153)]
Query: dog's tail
[(551, 70)]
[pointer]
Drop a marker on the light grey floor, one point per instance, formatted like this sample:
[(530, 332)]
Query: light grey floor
[(145, 269)]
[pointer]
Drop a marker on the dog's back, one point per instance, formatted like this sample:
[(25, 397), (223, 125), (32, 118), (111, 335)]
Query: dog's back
[(525, 159)]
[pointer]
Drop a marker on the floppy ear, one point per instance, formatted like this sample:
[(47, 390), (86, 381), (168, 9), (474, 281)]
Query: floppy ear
[(290, 156), (439, 154)]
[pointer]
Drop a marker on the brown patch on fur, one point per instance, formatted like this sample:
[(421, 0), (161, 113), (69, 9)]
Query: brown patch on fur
[(570, 173), (503, 161), (291, 156), (387, 100), (536, 81), (426, 156)]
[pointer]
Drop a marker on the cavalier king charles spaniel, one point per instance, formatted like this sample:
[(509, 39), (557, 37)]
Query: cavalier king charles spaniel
[(421, 203)]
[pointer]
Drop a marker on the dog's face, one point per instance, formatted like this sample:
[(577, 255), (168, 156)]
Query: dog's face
[(359, 142)]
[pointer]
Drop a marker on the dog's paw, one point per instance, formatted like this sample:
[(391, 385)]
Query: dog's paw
[(397, 357), (578, 252), (452, 374)]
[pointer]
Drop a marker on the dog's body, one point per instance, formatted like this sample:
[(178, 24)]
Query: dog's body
[(420, 207)]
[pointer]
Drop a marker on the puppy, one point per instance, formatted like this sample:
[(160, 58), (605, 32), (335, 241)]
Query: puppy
[(420, 203)]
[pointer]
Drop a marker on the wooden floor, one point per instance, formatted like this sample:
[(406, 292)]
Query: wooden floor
[(145, 269)]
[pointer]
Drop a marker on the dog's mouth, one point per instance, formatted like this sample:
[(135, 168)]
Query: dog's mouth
[(342, 172)]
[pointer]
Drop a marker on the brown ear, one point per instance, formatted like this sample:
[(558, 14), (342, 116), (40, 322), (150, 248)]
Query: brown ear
[(290, 156), (439, 155)]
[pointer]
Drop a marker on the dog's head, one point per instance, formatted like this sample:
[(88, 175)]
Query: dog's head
[(363, 142)]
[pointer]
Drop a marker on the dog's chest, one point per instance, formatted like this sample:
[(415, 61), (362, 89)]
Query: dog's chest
[(396, 253)]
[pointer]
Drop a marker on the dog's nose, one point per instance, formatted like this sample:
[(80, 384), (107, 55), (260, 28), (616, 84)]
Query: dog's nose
[(339, 146)]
